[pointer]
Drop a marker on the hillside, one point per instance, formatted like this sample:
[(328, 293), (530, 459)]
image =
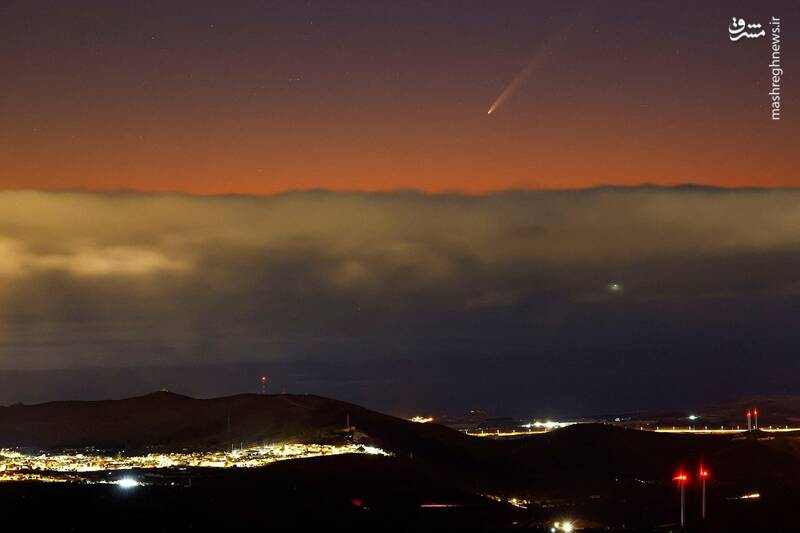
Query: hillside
[(168, 421)]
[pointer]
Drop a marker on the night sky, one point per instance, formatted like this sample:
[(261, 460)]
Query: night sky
[(194, 193), (260, 97)]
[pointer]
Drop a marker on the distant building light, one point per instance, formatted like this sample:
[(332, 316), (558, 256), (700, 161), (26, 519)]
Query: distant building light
[(128, 483), (438, 505), (422, 419), (549, 424)]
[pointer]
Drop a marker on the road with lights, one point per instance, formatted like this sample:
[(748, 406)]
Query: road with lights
[(531, 429), (719, 431)]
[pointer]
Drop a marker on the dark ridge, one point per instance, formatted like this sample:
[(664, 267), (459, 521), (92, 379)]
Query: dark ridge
[(168, 421)]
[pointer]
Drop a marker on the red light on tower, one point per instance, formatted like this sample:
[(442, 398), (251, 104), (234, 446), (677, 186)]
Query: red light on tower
[(682, 478), (264, 380), (704, 474)]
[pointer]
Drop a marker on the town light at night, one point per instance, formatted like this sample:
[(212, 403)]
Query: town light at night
[(127, 483)]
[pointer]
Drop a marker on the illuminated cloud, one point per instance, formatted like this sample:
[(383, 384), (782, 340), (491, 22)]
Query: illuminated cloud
[(86, 260), (90, 279)]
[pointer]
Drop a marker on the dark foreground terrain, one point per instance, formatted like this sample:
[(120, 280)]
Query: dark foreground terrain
[(601, 477)]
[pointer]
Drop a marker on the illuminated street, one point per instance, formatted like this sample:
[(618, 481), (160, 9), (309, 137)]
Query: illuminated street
[(533, 429)]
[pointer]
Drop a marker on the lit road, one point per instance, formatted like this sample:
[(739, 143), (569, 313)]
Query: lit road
[(720, 431), (671, 429), (513, 433)]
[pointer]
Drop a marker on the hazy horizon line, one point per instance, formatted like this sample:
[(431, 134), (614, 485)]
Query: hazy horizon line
[(690, 186)]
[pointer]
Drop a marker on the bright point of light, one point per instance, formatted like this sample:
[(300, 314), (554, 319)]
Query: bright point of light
[(751, 496), (422, 419), (549, 424), (693, 417), (127, 483), (615, 286), (567, 527)]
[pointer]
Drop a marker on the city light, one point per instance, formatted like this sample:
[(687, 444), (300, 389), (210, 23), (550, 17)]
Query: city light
[(421, 419), (565, 527), (16, 466), (549, 424), (516, 502), (127, 483), (751, 496)]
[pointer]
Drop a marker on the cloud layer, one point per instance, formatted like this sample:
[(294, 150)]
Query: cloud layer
[(586, 283)]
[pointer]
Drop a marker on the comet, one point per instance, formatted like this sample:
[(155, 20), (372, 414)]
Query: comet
[(539, 59), (519, 79)]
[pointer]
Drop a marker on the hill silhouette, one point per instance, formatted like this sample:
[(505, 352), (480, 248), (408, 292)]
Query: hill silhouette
[(168, 421)]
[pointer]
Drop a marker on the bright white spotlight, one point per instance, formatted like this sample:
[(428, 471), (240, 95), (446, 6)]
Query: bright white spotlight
[(127, 483)]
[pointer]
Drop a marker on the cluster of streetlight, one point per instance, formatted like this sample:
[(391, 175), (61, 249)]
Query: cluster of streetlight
[(682, 479)]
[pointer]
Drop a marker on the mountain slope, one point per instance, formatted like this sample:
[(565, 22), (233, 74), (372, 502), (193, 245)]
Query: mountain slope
[(167, 421)]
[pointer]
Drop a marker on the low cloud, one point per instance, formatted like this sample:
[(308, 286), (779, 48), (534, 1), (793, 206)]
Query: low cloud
[(86, 259), (133, 279)]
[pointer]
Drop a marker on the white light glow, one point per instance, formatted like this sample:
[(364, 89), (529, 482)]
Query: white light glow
[(127, 483)]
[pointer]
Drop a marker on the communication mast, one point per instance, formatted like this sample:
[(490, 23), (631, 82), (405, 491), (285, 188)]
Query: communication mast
[(263, 381)]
